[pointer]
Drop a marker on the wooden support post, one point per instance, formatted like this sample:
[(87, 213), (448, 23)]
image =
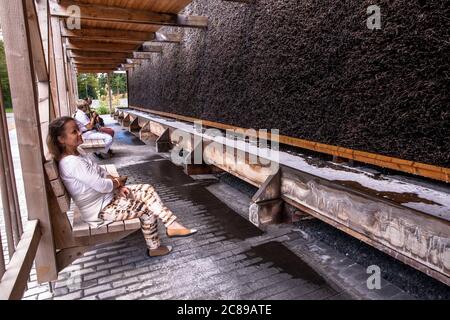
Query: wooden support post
[(163, 144), (24, 93), (125, 120), (145, 134), (193, 163), (134, 126), (267, 205), (59, 64), (116, 114)]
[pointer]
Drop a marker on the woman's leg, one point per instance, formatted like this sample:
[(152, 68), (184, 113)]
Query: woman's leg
[(125, 209), (149, 196)]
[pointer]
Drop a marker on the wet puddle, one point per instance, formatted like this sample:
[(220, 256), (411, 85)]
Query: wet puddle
[(401, 198)]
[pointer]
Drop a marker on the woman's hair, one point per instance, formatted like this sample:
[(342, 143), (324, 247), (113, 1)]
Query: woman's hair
[(80, 103), (55, 130)]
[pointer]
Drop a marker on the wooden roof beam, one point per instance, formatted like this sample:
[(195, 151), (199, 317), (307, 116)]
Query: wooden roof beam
[(98, 61), (75, 53), (116, 14), (108, 34), (116, 35), (143, 55), (86, 45)]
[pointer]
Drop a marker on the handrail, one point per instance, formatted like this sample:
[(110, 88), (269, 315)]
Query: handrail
[(13, 282)]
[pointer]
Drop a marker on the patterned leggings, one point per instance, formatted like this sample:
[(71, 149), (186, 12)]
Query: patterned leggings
[(144, 203)]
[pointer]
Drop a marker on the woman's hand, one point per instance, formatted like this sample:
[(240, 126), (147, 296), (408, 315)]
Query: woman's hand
[(124, 192)]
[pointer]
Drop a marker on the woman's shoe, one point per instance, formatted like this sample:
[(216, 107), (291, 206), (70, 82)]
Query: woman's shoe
[(160, 251), (172, 233)]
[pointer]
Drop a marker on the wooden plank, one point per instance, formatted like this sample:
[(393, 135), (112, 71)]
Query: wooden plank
[(14, 281), (58, 187), (135, 16), (40, 64), (51, 168), (95, 61), (64, 202), (66, 256), (168, 37), (98, 46), (133, 224), (104, 55), (100, 230), (25, 97), (109, 34), (116, 226), (60, 70), (79, 228)]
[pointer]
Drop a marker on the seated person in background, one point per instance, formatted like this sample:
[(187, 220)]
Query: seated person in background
[(102, 198), (98, 121), (88, 130)]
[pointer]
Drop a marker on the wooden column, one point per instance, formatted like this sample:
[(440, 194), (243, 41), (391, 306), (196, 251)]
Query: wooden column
[(25, 99), (59, 66)]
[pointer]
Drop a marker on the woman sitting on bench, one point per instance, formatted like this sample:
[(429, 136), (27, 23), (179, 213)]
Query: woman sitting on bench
[(102, 198)]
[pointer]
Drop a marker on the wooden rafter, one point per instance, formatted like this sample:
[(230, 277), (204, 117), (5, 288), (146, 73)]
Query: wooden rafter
[(96, 61), (100, 46), (117, 35), (143, 55), (136, 16), (99, 54), (108, 34)]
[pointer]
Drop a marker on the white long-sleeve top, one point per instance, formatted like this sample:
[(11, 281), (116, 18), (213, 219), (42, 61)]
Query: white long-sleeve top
[(88, 186), (82, 120)]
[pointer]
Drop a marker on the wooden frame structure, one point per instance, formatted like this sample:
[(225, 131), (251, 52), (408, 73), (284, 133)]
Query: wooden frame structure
[(44, 54)]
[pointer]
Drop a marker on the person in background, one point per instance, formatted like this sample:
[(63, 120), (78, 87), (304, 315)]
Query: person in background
[(103, 199), (98, 121), (89, 131)]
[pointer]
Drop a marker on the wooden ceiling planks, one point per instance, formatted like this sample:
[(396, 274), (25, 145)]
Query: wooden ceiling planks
[(120, 27)]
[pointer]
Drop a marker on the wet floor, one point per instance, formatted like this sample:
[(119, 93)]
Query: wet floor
[(229, 258)]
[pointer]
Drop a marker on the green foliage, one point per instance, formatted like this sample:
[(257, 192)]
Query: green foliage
[(119, 83), (4, 78), (96, 86), (87, 85), (103, 108), (102, 83)]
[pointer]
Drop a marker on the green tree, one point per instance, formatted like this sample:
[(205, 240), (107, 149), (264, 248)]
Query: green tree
[(119, 83), (4, 77), (102, 82), (87, 85)]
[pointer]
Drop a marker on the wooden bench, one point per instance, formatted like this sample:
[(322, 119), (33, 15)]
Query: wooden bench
[(93, 145), (79, 227)]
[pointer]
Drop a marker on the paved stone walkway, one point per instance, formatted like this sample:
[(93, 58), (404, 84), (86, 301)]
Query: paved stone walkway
[(228, 258)]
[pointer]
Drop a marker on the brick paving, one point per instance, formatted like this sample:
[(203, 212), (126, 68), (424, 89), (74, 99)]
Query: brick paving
[(229, 258)]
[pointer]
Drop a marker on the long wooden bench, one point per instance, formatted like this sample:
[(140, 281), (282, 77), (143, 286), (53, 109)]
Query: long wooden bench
[(93, 145), (79, 227)]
